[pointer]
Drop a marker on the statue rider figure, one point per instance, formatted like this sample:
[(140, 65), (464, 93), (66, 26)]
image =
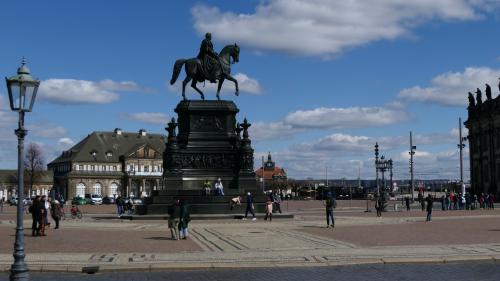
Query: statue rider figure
[(209, 58)]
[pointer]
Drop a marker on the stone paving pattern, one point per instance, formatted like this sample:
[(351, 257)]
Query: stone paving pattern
[(358, 238)]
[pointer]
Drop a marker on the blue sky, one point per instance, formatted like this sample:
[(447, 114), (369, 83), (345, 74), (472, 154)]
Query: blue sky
[(321, 81)]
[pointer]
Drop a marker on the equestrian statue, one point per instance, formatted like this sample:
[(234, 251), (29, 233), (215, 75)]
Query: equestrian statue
[(208, 65)]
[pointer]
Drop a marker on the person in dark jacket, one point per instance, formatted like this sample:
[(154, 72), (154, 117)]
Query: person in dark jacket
[(407, 202), (184, 219), (250, 207), (56, 212), (430, 202), (174, 213), (119, 205), (36, 215), (330, 204)]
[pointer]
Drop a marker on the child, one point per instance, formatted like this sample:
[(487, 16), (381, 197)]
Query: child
[(235, 201), (269, 210)]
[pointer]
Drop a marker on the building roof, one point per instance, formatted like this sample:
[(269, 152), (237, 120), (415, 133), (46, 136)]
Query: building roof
[(271, 174), (110, 146), (271, 171)]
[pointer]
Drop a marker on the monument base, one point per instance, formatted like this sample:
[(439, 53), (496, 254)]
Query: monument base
[(208, 147)]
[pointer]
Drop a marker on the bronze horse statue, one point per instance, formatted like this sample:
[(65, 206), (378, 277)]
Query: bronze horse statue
[(194, 70)]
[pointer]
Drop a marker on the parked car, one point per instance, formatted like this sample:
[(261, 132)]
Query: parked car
[(108, 200), (93, 199), (78, 201), (135, 200), (13, 201)]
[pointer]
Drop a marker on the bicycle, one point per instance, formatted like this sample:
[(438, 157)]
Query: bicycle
[(76, 213)]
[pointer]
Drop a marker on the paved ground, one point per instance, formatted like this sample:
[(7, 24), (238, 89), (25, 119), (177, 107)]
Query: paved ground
[(412, 272), (358, 238)]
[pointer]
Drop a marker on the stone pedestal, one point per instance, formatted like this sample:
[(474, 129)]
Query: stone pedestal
[(207, 146)]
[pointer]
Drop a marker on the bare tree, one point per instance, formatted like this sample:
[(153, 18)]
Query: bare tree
[(33, 165)]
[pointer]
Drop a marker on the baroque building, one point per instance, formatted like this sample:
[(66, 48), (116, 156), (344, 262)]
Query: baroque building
[(110, 164), (272, 174), (8, 184), (483, 124)]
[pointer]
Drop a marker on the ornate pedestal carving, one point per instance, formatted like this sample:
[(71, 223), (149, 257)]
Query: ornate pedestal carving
[(207, 146)]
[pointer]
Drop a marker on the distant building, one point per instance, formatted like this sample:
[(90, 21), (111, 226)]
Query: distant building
[(272, 174), (484, 143), (110, 164), (8, 184)]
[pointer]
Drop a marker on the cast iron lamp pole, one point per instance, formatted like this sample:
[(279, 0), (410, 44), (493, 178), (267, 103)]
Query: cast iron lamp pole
[(22, 90)]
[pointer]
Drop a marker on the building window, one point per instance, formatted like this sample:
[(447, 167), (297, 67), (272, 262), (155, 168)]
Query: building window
[(97, 188), (146, 168), (113, 190), (92, 167), (80, 167), (104, 168), (115, 168), (80, 190)]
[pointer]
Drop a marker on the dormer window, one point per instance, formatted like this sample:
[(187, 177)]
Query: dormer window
[(109, 154), (93, 153)]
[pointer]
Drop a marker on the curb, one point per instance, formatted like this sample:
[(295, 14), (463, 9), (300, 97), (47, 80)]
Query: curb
[(73, 268)]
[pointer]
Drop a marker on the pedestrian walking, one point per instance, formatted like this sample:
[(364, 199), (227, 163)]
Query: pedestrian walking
[(407, 202), (269, 210), (174, 213), (45, 216), (130, 206), (1, 205), (56, 212), (491, 200), (330, 204), (443, 203), (250, 207), (119, 205), (276, 201), (430, 202), (378, 205), (184, 220), (36, 215)]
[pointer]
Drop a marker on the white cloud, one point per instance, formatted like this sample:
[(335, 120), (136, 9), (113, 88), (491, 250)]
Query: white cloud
[(451, 88), (148, 117), (352, 117), (272, 130), (246, 84), (45, 130), (342, 143), (65, 143), (72, 91), (327, 27)]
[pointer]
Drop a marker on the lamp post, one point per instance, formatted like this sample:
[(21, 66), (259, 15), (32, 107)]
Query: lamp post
[(461, 146), (411, 152), (22, 90)]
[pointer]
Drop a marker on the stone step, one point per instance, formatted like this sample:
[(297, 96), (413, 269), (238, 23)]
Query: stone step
[(207, 208), (202, 199), (239, 216)]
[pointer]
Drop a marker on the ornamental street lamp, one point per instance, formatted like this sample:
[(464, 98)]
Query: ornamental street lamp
[(461, 146), (22, 90)]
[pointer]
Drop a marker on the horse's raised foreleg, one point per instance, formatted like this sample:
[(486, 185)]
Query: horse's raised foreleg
[(231, 78), (219, 87), (193, 85), (184, 83)]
